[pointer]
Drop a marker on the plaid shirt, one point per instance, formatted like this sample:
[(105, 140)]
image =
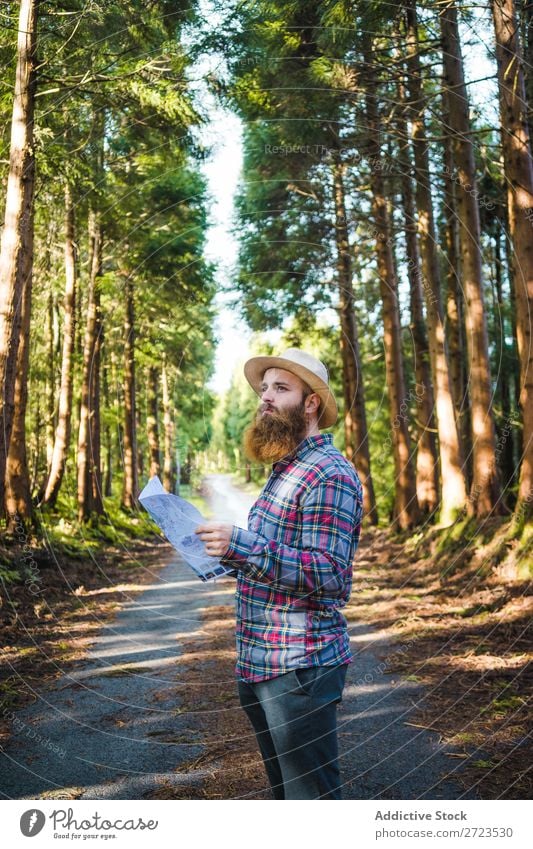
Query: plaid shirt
[(294, 563)]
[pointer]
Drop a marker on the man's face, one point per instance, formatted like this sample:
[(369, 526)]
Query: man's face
[(280, 391), (280, 423)]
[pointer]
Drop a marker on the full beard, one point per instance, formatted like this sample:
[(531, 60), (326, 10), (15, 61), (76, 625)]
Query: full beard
[(271, 437)]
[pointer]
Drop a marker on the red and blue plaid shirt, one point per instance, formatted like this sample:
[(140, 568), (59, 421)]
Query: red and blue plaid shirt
[(294, 563)]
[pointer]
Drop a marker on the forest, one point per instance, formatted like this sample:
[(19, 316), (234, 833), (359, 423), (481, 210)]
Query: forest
[(384, 222)]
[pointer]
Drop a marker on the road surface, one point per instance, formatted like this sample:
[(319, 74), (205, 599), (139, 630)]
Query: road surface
[(112, 729)]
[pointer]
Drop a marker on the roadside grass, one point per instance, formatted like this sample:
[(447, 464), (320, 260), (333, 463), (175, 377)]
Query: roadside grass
[(58, 534)]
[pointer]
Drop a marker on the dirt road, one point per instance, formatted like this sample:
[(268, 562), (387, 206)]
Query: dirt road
[(113, 729)]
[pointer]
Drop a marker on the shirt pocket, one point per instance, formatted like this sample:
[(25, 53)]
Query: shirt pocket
[(284, 512)]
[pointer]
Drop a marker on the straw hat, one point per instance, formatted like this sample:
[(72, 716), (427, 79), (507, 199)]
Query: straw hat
[(305, 366)]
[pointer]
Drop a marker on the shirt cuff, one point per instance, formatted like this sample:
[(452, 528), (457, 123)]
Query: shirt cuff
[(241, 545)]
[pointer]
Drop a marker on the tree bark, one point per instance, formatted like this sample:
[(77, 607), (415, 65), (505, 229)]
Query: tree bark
[(130, 487), (118, 405), (97, 502), (508, 253), (518, 167), (88, 460), (484, 497), (18, 504), (169, 463), (504, 360), (140, 452), (35, 444), (18, 221), (457, 359), (526, 15), (108, 478), (64, 418), (406, 511), (152, 419), (355, 426), (50, 388), (453, 497), (427, 460)]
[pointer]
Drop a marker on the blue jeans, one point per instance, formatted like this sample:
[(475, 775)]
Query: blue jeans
[(294, 717)]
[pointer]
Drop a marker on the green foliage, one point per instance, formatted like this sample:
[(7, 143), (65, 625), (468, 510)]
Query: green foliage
[(7, 575), (233, 414), (113, 119), (66, 537)]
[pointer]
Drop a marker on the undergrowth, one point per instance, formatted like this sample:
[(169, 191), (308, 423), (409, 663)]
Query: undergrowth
[(57, 534)]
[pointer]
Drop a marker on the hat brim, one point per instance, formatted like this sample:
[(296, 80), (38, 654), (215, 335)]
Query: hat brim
[(255, 368)]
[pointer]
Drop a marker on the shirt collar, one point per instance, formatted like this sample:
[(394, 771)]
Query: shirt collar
[(305, 445)]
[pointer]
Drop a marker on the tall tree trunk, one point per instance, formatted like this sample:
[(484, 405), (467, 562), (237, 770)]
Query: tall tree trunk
[(139, 414), (130, 488), (35, 443), (484, 497), (427, 461), (118, 405), (526, 15), (88, 460), (453, 498), (64, 418), (355, 426), (97, 503), (108, 479), (504, 360), (50, 388), (169, 464), (509, 264), (18, 505), (518, 167), (18, 221), (457, 359), (406, 512), (152, 426)]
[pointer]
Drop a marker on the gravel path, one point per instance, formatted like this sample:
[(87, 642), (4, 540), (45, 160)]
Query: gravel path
[(112, 729), (383, 757)]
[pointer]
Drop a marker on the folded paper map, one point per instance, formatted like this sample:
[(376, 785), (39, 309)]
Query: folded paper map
[(178, 519)]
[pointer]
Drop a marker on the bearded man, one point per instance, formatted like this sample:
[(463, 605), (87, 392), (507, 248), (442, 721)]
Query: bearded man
[(294, 573)]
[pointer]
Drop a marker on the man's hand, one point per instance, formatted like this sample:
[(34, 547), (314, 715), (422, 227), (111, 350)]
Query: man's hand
[(216, 536)]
